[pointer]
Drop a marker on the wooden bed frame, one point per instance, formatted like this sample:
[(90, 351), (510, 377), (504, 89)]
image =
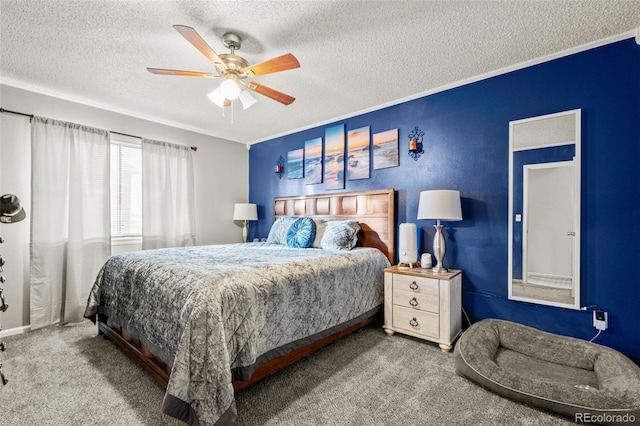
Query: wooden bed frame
[(375, 212)]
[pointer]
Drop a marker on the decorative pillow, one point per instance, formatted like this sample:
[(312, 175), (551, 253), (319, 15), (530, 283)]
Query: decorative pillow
[(321, 225), (301, 233), (340, 235), (278, 231)]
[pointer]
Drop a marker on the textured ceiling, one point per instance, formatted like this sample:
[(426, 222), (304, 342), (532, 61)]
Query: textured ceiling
[(354, 55)]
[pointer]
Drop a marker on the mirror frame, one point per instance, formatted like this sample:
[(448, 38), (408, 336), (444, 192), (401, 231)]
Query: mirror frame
[(577, 197)]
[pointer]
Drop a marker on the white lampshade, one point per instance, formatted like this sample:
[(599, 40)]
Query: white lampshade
[(246, 99), (230, 89), (245, 211), (217, 97), (440, 204)]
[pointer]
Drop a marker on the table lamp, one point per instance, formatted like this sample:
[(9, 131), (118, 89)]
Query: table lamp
[(245, 212), (441, 204)]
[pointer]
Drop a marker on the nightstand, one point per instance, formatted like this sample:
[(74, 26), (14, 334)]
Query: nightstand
[(423, 304)]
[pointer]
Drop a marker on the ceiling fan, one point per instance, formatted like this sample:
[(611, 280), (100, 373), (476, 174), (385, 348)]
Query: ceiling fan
[(234, 70)]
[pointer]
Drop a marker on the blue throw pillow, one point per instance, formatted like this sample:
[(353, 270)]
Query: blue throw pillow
[(301, 233)]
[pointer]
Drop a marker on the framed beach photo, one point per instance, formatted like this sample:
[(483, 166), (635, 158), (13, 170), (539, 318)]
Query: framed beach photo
[(385, 149), (334, 157), (358, 148), (295, 164), (313, 161)]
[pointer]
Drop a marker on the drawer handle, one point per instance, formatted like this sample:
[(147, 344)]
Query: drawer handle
[(414, 323), (413, 286), (413, 302)]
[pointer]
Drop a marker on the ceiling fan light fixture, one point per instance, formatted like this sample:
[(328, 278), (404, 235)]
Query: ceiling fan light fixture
[(234, 70), (230, 89), (246, 99), (217, 97)]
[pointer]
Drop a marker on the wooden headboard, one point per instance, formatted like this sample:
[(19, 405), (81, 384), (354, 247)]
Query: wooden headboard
[(374, 211)]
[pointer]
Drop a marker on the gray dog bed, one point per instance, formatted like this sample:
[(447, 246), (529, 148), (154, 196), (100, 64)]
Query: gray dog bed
[(589, 382)]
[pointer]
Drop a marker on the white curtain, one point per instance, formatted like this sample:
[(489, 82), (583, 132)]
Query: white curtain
[(168, 215), (70, 225)]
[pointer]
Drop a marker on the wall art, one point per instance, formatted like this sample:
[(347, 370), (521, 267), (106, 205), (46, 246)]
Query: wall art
[(385, 149), (295, 164), (313, 161), (334, 157), (358, 148)]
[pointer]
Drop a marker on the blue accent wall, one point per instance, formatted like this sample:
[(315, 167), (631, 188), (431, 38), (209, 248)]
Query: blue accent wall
[(466, 145)]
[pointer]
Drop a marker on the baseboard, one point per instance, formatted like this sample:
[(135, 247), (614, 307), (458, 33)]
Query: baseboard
[(14, 331), (547, 280)]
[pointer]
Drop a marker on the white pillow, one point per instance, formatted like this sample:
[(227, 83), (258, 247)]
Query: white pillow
[(321, 225), (340, 235), (278, 231)]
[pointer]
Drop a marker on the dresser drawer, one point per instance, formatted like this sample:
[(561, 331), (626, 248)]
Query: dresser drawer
[(415, 284), (418, 301), (425, 323)]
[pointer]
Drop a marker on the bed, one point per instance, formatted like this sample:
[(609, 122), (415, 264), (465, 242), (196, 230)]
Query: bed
[(205, 321)]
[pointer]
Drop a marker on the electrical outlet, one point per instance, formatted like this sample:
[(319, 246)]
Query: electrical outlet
[(600, 320)]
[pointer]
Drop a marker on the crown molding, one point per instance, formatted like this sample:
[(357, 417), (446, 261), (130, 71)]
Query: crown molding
[(505, 70), (92, 103)]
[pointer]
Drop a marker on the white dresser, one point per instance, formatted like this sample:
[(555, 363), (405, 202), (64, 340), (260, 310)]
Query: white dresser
[(423, 304)]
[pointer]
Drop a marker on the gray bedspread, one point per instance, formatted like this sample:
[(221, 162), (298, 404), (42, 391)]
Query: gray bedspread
[(214, 310)]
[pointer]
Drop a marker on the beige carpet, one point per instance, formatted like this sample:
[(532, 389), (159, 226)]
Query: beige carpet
[(70, 376)]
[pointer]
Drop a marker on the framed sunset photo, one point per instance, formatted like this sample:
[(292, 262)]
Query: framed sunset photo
[(295, 164), (313, 161), (385, 149), (358, 143), (334, 157)]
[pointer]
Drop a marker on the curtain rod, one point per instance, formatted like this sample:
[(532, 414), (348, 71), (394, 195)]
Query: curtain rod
[(195, 148)]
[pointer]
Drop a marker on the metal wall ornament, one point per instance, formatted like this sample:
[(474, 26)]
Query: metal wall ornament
[(415, 143), (279, 168)]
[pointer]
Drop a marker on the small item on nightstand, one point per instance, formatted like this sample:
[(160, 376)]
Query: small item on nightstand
[(425, 260), (408, 246)]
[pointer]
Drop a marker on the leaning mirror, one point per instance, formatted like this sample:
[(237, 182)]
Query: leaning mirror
[(544, 209)]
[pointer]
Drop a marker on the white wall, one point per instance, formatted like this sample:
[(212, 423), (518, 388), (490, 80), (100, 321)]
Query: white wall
[(221, 179)]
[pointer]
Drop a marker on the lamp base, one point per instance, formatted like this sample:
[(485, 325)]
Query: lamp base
[(438, 249), (245, 231)]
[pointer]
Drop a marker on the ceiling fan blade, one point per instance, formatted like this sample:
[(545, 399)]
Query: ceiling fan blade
[(180, 72), (270, 93), (281, 63), (198, 42)]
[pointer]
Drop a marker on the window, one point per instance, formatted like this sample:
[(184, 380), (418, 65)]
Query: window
[(126, 187)]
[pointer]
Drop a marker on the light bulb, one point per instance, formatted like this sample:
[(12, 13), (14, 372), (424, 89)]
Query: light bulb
[(230, 89)]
